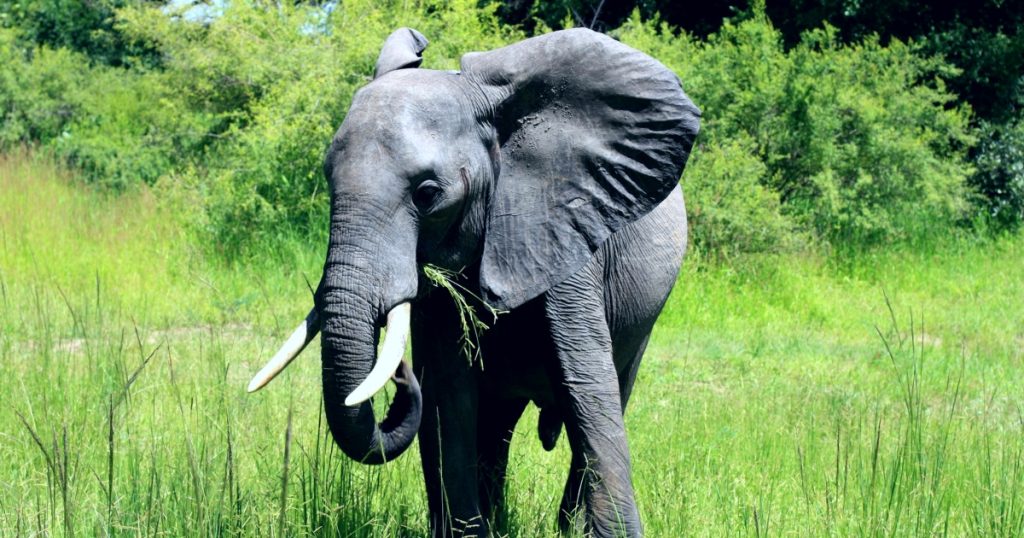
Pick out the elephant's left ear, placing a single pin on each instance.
(402, 49)
(593, 135)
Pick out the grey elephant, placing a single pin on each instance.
(545, 173)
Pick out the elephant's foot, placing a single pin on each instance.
(587, 508)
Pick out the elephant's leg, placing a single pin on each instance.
(448, 453)
(497, 421)
(587, 389)
(448, 432)
(572, 497)
(642, 263)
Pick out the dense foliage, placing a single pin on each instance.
(820, 142)
(239, 112)
(86, 26)
(842, 142)
(38, 90)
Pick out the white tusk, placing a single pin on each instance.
(397, 333)
(303, 334)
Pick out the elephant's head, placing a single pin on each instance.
(515, 169)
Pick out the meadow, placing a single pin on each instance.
(868, 392)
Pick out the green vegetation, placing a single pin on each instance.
(236, 116)
(89, 28)
(779, 396)
(845, 144)
(999, 176)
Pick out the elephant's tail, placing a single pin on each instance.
(549, 425)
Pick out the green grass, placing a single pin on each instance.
(780, 396)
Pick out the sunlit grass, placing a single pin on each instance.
(779, 396)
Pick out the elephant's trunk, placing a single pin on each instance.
(350, 329)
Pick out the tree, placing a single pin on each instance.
(86, 26)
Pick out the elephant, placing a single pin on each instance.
(546, 175)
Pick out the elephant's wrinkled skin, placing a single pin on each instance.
(546, 172)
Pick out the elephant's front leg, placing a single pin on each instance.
(496, 424)
(448, 431)
(587, 389)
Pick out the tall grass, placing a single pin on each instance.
(873, 395)
(59, 237)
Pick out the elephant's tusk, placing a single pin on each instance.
(395, 337)
(303, 334)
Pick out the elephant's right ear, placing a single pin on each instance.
(402, 49)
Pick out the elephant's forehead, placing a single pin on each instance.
(407, 120)
(408, 105)
(391, 142)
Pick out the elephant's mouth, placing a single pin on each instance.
(396, 335)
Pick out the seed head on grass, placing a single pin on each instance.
(471, 324)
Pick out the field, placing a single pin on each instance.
(870, 393)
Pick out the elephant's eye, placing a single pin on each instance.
(426, 195)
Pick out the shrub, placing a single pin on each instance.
(86, 27)
(119, 126)
(133, 128)
(730, 211)
(855, 142)
(876, 148)
(39, 90)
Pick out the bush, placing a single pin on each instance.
(730, 211)
(999, 175)
(991, 59)
(855, 142)
(120, 127)
(86, 27)
(39, 90)
(133, 128)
